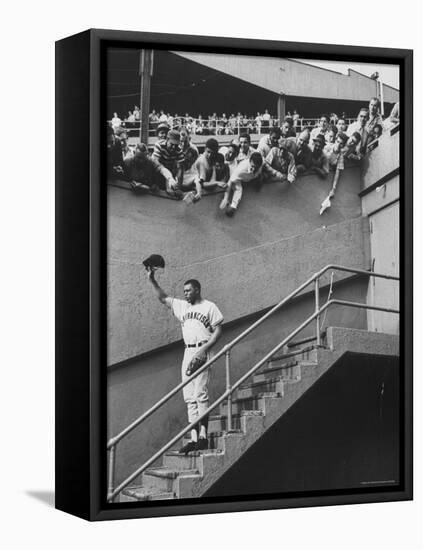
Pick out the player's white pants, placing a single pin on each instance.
(196, 394)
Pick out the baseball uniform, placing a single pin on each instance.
(197, 322)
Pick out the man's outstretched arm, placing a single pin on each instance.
(161, 294)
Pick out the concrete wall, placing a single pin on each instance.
(275, 241)
(382, 160)
(134, 386)
(380, 200)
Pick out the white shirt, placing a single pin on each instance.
(116, 122)
(197, 320)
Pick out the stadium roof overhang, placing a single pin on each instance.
(293, 78)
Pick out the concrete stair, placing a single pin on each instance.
(255, 407)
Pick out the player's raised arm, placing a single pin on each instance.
(161, 294)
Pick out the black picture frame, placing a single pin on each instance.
(81, 291)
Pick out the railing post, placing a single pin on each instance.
(228, 388)
(317, 306)
(111, 484)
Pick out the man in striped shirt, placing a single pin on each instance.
(169, 154)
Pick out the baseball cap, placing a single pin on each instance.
(162, 126)
(154, 260)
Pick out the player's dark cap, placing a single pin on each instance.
(155, 260)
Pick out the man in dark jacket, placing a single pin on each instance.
(142, 171)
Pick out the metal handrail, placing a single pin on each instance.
(111, 445)
(229, 391)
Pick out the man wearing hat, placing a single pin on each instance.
(162, 131)
(169, 154)
(319, 160)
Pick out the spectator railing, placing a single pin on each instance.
(221, 126)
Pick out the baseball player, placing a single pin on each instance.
(201, 323)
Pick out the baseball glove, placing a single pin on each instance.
(195, 364)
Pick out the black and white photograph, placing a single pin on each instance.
(253, 276)
(211, 301)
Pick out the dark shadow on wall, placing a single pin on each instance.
(343, 433)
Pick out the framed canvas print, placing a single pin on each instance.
(234, 274)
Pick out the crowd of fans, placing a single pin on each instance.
(177, 167)
(211, 125)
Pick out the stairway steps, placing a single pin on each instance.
(287, 370)
(272, 387)
(219, 423)
(254, 403)
(289, 375)
(192, 461)
(306, 350)
(140, 493)
(255, 410)
(164, 479)
(259, 387)
(217, 439)
(306, 340)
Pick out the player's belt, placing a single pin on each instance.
(197, 345)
